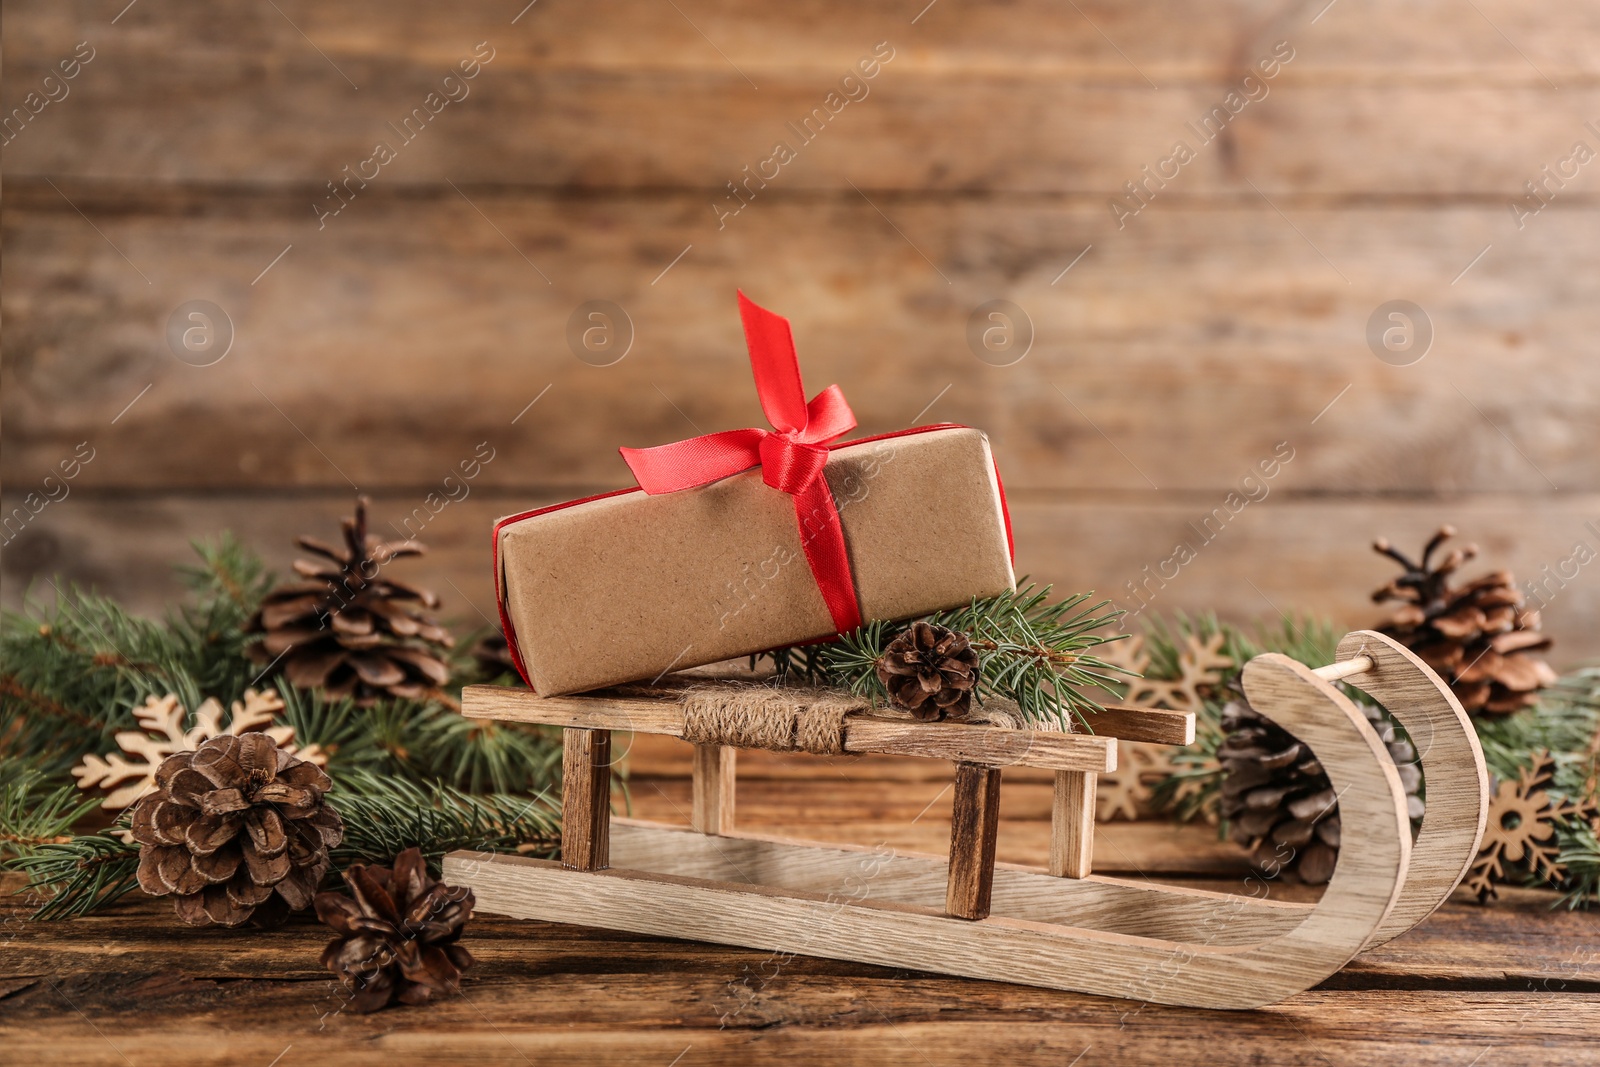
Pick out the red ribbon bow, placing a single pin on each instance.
(791, 455)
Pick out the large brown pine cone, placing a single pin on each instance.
(348, 628)
(236, 830)
(930, 671)
(1278, 800)
(1481, 638)
(397, 933)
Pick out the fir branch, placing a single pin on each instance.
(421, 742)
(229, 574)
(482, 755)
(1030, 651)
(1580, 855)
(11, 686)
(1566, 721)
(77, 876)
(384, 816)
(76, 668)
(34, 811)
(381, 817)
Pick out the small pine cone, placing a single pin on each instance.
(236, 830)
(347, 628)
(397, 933)
(1481, 637)
(930, 671)
(1278, 800)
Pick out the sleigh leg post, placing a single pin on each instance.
(974, 824)
(585, 799)
(715, 774)
(1072, 824)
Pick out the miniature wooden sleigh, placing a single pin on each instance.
(1064, 928)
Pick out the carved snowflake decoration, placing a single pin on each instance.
(1521, 828)
(163, 734)
(1127, 792)
(1128, 653)
(1201, 665)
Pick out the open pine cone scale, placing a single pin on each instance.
(350, 629)
(397, 933)
(230, 825)
(1480, 637)
(930, 671)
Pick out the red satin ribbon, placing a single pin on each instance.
(791, 455)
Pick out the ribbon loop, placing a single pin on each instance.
(791, 459)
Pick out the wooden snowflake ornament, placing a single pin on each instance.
(1201, 667)
(1521, 828)
(163, 735)
(1127, 792)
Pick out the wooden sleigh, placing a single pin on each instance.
(1061, 928)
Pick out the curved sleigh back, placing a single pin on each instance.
(1453, 773)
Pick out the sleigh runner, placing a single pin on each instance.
(1062, 927)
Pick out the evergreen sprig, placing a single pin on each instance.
(33, 810)
(80, 874)
(1566, 723)
(75, 669)
(384, 816)
(1031, 650)
(74, 877)
(405, 771)
(422, 741)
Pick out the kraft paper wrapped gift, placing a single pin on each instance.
(748, 540)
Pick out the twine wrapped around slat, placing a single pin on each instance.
(779, 720)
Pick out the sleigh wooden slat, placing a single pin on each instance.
(866, 733)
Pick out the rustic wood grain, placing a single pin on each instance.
(1513, 977)
(974, 823)
(1446, 743)
(440, 334)
(628, 95)
(586, 799)
(563, 994)
(198, 139)
(973, 744)
(1157, 725)
(897, 876)
(863, 733)
(715, 782)
(1072, 824)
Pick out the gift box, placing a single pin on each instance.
(747, 540)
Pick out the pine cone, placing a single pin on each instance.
(1279, 801)
(236, 830)
(350, 630)
(1480, 637)
(397, 937)
(930, 671)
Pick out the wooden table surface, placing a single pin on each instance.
(1515, 983)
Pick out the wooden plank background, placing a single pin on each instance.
(379, 350)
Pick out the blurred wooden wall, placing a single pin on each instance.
(376, 349)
